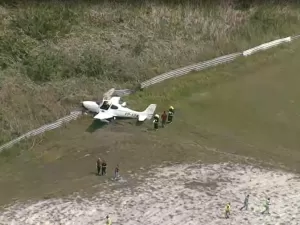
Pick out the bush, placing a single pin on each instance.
(97, 64)
(45, 21)
(14, 49)
(44, 66)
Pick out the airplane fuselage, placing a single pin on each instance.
(112, 108)
(115, 109)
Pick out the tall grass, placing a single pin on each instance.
(52, 55)
(44, 21)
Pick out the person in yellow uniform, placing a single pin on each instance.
(108, 220)
(156, 121)
(227, 210)
(267, 206)
(170, 114)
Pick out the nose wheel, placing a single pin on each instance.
(84, 111)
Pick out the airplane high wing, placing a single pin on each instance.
(103, 116)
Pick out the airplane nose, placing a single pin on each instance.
(87, 105)
(91, 106)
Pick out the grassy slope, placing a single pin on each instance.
(249, 108)
(54, 55)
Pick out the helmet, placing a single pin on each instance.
(156, 115)
(171, 107)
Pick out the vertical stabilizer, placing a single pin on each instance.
(150, 111)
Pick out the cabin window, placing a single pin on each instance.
(114, 107)
(105, 106)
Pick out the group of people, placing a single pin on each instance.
(245, 206)
(101, 166)
(165, 118)
(168, 118)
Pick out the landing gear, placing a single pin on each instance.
(113, 119)
(83, 112)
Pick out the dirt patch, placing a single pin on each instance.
(160, 200)
(201, 185)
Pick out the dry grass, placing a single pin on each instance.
(53, 56)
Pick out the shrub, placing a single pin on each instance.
(45, 20)
(14, 49)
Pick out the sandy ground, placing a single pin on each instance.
(179, 194)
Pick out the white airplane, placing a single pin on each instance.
(112, 109)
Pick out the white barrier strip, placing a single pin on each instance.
(266, 46)
(188, 69)
(214, 62)
(175, 73)
(73, 115)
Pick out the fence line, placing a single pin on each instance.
(188, 69)
(73, 115)
(168, 75)
(266, 46)
(214, 62)
(58, 123)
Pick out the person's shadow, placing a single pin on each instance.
(94, 173)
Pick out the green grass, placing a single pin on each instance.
(248, 108)
(55, 54)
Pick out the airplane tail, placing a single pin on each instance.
(150, 111)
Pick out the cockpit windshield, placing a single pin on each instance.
(114, 107)
(105, 105)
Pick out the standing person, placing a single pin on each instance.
(246, 201)
(98, 166)
(170, 114)
(156, 121)
(104, 168)
(108, 220)
(117, 172)
(267, 205)
(227, 210)
(163, 119)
